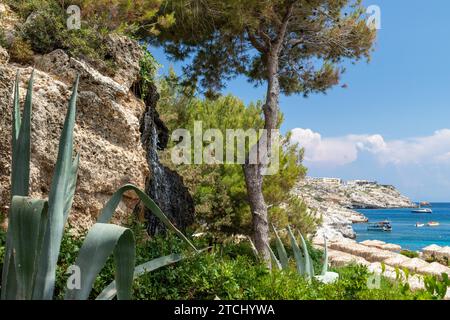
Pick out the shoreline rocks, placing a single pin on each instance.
(391, 265)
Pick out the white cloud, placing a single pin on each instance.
(339, 151)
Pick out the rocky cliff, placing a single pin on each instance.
(112, 133)
(335, 200)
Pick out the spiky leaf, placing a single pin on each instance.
(274, 258)
(299, 259)
(284, 260)
(325, 257)
(110, 291)
(62, 178)
(111, 206)
(101, 241)
(28, 218)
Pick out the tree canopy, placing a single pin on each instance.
(232, 37)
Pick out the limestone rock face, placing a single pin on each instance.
(117, 134)
(4, 56)
(8, 22)
(107, 134)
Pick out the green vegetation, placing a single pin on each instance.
(291, 47)
(36, 227)
(37, 251)
(219, 191)
(410, 254)
(437, 287)
(46, 29)
(303, 259)
(228, 271)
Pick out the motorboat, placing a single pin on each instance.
(433, 224)
(422, 210)
(420, 225)
(384, 226)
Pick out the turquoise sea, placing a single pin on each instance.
(404, 231)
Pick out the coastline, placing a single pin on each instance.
(335, 201)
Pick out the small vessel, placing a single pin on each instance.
(422, 210)
(433, 224)
(384, 226)
(420, 225)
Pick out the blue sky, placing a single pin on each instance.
(392, 122)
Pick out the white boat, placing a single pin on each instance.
(433, 224)
(420, 225)
(424, 210)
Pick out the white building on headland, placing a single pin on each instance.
(361, 182)
(331, 181)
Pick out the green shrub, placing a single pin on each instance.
(20, 51)
(410, 254)
(3, 42)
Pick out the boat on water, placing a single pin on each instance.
(384, 226)
(433, 224)
(420, 225)
(422, 210)
(425, 204)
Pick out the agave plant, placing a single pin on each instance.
(36, 226)
(302, 258)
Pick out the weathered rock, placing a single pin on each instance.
(127, 55)
(8, 22)
(66, 68)
(116, 133)
(107, 138)
(107, 134)
(4, 56)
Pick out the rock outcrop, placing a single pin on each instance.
(109, 135)
(334, 200)
(380, 260)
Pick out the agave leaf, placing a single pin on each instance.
(325, 257)
(70, 188)
(110, 291)
(308, 261)
(57, 204)
(111, 206)
(27, 222)
(274, 258)
(101, 241)
(284, 260)
(21, 145)
(16, 116)
(299, 259)
(254, 250)
(9, 280)
(20, 170)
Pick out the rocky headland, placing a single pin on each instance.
(335, 201)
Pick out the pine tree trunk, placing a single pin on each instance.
(253, 176)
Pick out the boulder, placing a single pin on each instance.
(4, 56)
